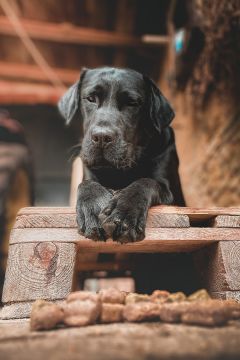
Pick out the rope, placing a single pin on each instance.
(30, 46)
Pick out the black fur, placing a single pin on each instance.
(128, 150)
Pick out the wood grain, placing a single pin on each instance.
(226, 295)
(39, 270)
(45, 220)
(219, 266)
(18, 310)
(193, 213)
(227, 221)
(155, 235)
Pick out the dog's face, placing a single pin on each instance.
(120, 110)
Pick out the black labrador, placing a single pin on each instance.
(128, 151)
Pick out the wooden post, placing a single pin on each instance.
(38, 270)
(219, 264)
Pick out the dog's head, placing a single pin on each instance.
(120, 110)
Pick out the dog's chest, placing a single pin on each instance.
(115, 178)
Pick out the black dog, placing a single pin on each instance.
(128, 150)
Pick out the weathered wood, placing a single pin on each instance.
(226, 295)
(19, 310)
(123, 341)
(227, 221)
(39, 270)
(154, 236)
(219, 266)
(45, 244)
(192, 212)
(69, 34)
(45, 220)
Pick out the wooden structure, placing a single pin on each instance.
(137, 341)
(45, 248)
(67, 37)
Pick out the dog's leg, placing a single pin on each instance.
(91, 200)
(124, 218)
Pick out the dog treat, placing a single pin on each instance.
(112, 296)
(171, 312)
(160, 296)
(83, 308)
(199, 295)
(111, 313)
(177, 297)
(81, 312)
(141, 311)
(45, 315)
(83, 295)
(207, 313)
(133, 298)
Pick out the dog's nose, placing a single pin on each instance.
(103, 137)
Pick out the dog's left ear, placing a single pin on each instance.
(69, 103)
(160, 111)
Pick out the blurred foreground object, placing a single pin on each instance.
(16, 183)
(206, 99)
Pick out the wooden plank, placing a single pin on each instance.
(219, 266)
(158, 216)
(39, 270)
(27, 72)
(192, 212)
(18, 310)
(67, 33)
(227, 221)
(155, 238)
(226, 295)
(43, 220)
(104, 266)
(123, 341)
(28, 93)
(156, 39)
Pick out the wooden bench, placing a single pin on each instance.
(45, 251)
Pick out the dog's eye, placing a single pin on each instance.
(92, 98)
(132, 102)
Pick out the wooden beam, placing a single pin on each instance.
(149, 39)
(19, 71)
(68, 33)
(27, 93)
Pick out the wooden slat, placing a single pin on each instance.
(193, 213)
(68, 33)
(45, 220)
(155, 239)
(226, 295)
(27, 93)
(156, 39)
(18, 71)
(229, 221)
(35, 270)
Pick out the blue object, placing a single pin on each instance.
(179, 40)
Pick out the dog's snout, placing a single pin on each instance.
(103, 137)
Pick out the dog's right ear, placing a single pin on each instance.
(69, 103)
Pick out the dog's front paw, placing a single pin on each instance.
(124, 222)
(92, 198)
